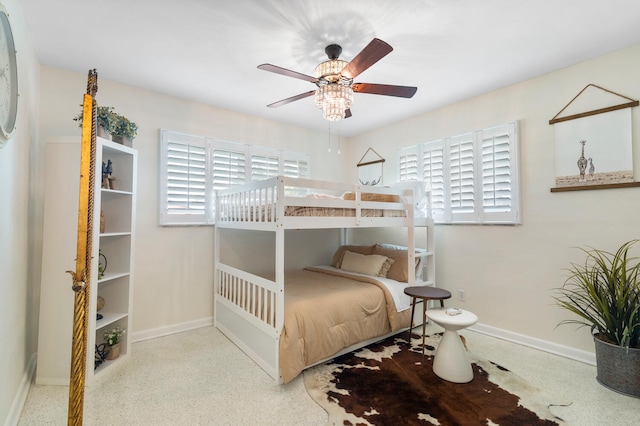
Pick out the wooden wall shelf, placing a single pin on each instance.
(603, 186)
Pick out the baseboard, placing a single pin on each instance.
(499, 333)
(153, 333)
(534, 343)
(23, 391)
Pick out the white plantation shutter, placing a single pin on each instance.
(433, 174)
(473, 177)
(187, 174)
(499, 180)
(184, 194)
(425, 163)
(462, 179)
(408, 164)
(193, 167)
(296, 167)
(228, 167)
(267, 163)
(264, 166)
(496, 185)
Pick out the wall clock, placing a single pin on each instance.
(8, 78)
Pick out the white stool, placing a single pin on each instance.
(451, 361)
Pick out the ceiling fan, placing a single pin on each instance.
(334, 80)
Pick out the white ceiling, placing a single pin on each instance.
(208, 50)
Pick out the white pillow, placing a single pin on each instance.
(363, 264)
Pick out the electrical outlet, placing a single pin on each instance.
(461, 295)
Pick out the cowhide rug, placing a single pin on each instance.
(387, 383)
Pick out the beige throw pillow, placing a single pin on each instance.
(398, 270)
(385, 267)
(363, 264)
(337, 257)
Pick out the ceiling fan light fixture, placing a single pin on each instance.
(334, 94)
(330, 70)
(334, 99)
(334, 80)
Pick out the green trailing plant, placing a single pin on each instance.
(105, 118)
(605, 294)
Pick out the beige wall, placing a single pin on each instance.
(21, 162)
(174, 265)
(507, 271)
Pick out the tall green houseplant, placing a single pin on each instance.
(604, 294)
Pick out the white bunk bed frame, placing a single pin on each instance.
(249, 309)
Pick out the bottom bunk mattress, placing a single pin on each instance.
(328, 310)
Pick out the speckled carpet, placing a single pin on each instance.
(387, 383)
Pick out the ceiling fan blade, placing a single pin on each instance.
(288, 73)
(292, 99)
(385, 89)
(372, 53)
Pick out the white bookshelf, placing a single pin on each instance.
(59, 252)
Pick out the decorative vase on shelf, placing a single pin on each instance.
(102, 222)
(114, 351)
(102, 264)
(99, 306)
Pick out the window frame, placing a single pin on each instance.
(211, 145)
(452, 200)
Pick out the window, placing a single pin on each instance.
(192, 168)
(473, 176)
(433, 172)
(264, 163)
(184, 195)
(227, 165)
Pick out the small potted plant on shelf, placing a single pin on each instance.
(106, 119)
(113, 124)
(112, 339)
(604, 294)
(124, 130)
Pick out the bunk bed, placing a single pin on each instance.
(261, 313)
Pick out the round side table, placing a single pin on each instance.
(425, 293)
(451, 361)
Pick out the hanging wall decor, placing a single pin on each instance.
(593, 147)
(370, 168)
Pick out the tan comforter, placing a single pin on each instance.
(327, 311)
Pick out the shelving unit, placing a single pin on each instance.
(116, 243)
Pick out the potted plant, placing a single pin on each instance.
(124, 130)
(604, 293)
(112, 339)
(106, 119)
